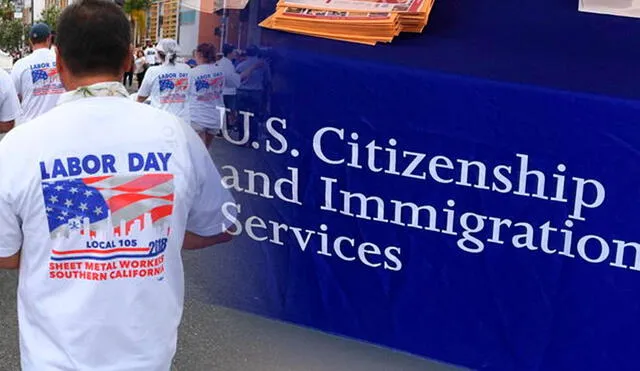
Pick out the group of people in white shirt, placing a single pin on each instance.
(199, 96)
(33, 87)
(196, 95)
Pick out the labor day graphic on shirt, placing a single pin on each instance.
(209, 86)
(45, 79)
(108, 220)
(173, 87)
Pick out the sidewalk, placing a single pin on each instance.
(215, 338)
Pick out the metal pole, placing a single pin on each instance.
(223, 28)
(179, 9)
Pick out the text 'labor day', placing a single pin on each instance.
(104, 164)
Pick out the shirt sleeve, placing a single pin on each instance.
(11, 231)
(147, 83)
(16, 77)
(192, 86)
(206, 217)
(9, 104)
(231, 77)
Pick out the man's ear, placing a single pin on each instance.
(129, 60)
(61, 69)
(59, 65)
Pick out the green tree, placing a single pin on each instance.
(6, 10)
(50, 16)
(11, 35)
(137, 11)
(11, 30)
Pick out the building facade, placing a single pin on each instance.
(58, 3)
(31, 10)
(190, 22)
(162, 20)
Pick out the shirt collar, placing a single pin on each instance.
(102, 89)
(41, 50)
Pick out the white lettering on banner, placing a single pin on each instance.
(473, 231)
(345, 248)
(588, 193)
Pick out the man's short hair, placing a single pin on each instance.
(227, 49)
(253, 51)
(93, 36)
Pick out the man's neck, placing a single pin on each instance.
(40, 46)
(90, 80)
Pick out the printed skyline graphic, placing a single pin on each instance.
(143, 232)
(108, 206)
(46, 81)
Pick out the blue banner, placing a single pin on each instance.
(485, 224)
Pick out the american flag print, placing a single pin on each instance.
(201, 85)
(105, 206)
(43, 74)
(181, 83)
(166, 84)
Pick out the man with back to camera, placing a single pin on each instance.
(250, 94)
(36, 77)
(96, 218)
(232, 81)
(151, 54)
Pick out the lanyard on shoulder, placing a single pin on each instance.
(103, 89)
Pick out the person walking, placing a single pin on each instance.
(232, 78)
(167, 84)
(140, 64)
(96, 216)
(128, 74)
(151, 54)
(206, 103)
(36, 77)
(250, 94)
(232, 82)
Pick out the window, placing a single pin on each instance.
(187, 17)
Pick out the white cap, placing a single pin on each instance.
(168, 47)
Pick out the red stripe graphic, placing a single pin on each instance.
(120, 201)
(72, 252)
(95, 179)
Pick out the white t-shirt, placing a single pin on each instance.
(151, 54)
(139, 65)
(9, 104)
(101, 223)
(37, 82)
(168, 87)
(232, 78)
(206, 84)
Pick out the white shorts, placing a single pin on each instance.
(201, 128)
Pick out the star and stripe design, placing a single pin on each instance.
(114, 200)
